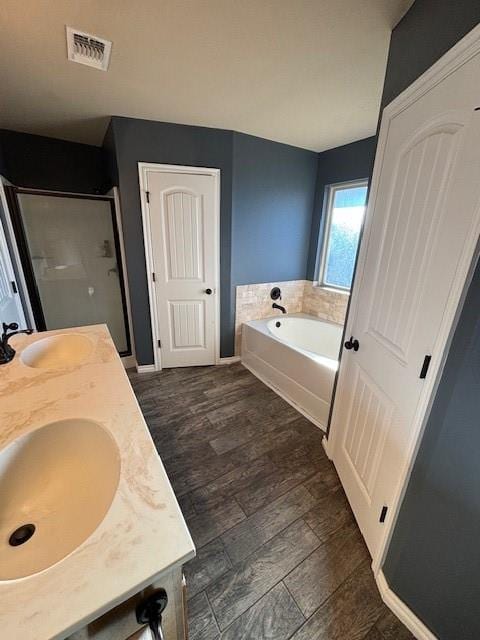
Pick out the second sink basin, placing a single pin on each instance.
(58, 483)
(58, 352)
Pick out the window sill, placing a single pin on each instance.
(330, 289)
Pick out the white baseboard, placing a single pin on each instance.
(150, 368)
(326, 447)
(146, 368)
(283, 396)
(400, 609)
(229, 360)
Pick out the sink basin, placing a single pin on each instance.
(57, 352)
(58, 483)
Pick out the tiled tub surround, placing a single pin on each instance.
(327, 304)
(142, 540)
(253, 302)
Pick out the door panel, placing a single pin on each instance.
(414, 214)
(418, 232)
(187, 324)
(184, 250)
(183, 235)
(368, 419)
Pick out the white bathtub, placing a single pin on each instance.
(297, 356)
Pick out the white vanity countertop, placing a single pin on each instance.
(143, 534)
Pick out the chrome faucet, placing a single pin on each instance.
(6, 351)
(279, 306)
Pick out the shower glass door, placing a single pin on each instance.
(71, 257)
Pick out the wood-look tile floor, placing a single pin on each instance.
(279, 555)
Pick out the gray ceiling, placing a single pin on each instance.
(307, 72)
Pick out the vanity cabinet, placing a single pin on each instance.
(78, 419)
(120, 623)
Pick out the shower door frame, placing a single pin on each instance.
(12, 193)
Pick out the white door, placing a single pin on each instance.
(422, 227)
(10, 304)
(183, 213)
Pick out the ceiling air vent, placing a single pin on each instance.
(87, 49)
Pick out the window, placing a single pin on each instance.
(343, 222)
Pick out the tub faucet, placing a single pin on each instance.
(6, 351)
(279, 306)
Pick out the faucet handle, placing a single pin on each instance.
(275, 293)
(12, 326)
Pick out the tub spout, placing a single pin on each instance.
(279, 306)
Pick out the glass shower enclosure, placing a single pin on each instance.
(70, 252)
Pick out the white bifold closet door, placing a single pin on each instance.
(421, 231)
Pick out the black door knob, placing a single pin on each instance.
(352, 344)
(208, 292)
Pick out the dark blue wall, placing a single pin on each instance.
(135, 141)
(267, 192)
(428, 30)
(47, 163)
(267, 198)
(2, 160)
(433, 559)
(110, 155)
(273, 194)
(351, 162)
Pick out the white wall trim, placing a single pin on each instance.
(146, 368)
(229, 360)
(400, 609)
(326, 447)
(454, 58)
(143, 168)
(459, 54)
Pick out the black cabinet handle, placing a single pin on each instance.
(352, 344)
(208, 292)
